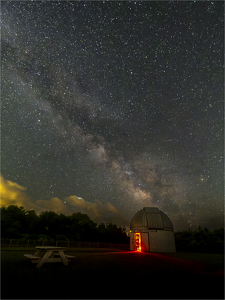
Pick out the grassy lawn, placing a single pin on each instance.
(210, 262)
(110, 273)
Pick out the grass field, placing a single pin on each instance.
(110, 273)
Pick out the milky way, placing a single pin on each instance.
(108, 107)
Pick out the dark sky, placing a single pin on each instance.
(108, 107)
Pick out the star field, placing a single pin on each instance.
(117, 102)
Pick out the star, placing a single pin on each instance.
(117, 102)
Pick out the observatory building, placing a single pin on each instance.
(151, 231)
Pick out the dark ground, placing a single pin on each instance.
(105, 274)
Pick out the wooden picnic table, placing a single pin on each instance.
(53, 254)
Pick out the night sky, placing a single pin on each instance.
(108, 107)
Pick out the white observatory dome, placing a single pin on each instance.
(151, 218)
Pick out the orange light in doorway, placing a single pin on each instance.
(138, 241)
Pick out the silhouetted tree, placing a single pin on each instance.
(31, 222)
(13, 221)
(82, 227)
(19, 223)
(48, 223)
(200, 240)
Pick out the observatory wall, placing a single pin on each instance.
(161, 241)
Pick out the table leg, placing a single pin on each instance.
(64, 259)
(44, 258)
(37, 252)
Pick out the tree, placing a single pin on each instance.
(111, 233)
(18, 223)
(31, 222)
(49, 223)
(13, 221)
(82, 227)
(200, 240)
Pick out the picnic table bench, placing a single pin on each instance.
(33, 258)
(53, 254)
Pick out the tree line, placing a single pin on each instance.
(200, 240)
(18, 223)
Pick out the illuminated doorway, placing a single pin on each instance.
(138, 241)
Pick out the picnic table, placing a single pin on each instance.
(53, 254)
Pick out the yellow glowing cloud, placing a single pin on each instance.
(55, 204)
(95, 209)
(112, 208)
(12, 193)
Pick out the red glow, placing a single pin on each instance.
(138, 241)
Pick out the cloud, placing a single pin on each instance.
(97, 211)
(55, 204)
(112, 208)
(12, 193)
(94, 210)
